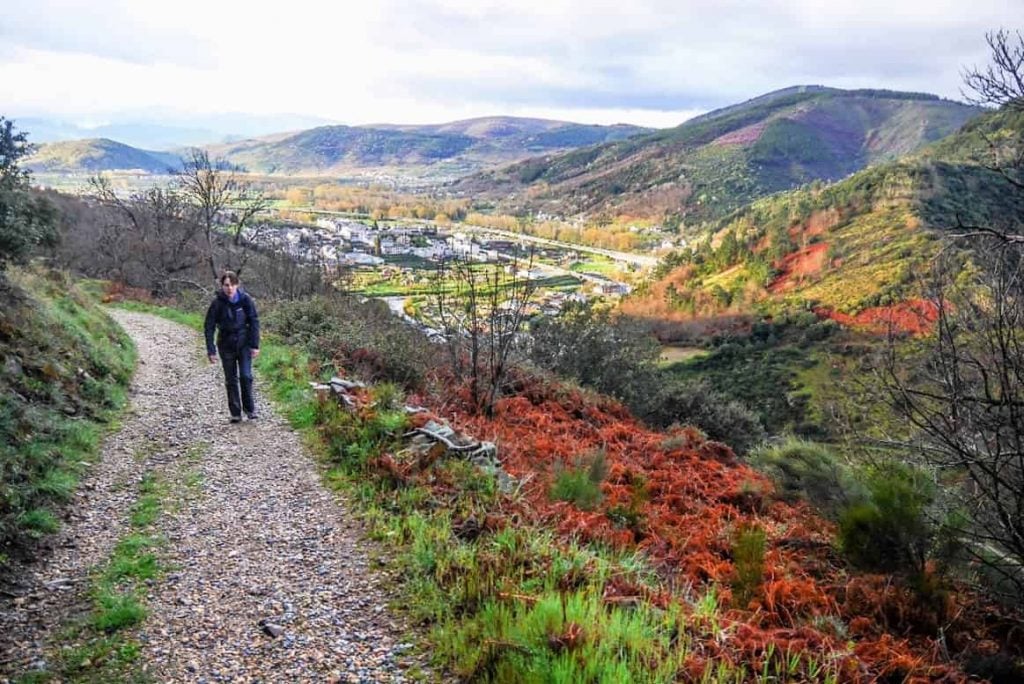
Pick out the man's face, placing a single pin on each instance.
(229, 288)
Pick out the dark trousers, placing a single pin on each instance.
(238, 367)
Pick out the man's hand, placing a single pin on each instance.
(255, 353)
(213, 358)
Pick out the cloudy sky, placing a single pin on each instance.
(650, 62)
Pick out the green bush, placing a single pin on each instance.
(890, 530)
(618, 357)
(748, 560)
(613, 355)
(26, 219)
(362, 335)
(581, 484)
(807, 470)
(696, 403)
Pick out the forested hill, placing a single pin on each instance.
(851, 249)
(99, 154)
(714, 164)
(453, 148)
(450, 149)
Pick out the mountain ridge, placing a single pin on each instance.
(715, 163)
(843, 249)
(99, 154)
(455, 147)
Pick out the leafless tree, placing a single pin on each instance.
(225, 204)
(1000, 83)
(151, 238)
(481, 309)
(965, 397)
(966, 403)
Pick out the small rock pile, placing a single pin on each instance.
(426, 444)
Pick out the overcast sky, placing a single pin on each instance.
(650, 62)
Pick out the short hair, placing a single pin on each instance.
(229, 275)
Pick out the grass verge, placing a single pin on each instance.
(99, 647)
(66, 366)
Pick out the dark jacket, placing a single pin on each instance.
(237, 323)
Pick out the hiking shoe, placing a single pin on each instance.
(252, 416)
(236, 419)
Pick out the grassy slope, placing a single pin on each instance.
(65, 368)
(507, 597)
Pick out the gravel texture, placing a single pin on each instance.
(268, 579)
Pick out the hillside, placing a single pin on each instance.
(65, 366)
(765, 280)
(453, 148)
(98, 154)
(845, 247)
(714, 164)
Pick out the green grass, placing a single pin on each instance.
(580, 484)
(147, 508)
(63, 386)
(38, 522)
(515, 604)
(99, 648)
(115, 611)
(190, 318)
(596, 264)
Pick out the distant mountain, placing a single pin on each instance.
(453, 148)
(163, 131)
(98, 154)
(715, 163)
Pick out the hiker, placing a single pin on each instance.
(233, 313)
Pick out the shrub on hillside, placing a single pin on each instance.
(27, 219)
(618, 357)
(580, 484)
(807, 470)
(362, 335)
(890, 530)
(748, 551)
(697, 404)
(613, 355)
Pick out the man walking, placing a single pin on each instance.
(233, 313)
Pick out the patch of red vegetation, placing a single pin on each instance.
(741, 136)
(914, 316)
(679, 498)
(799, 264)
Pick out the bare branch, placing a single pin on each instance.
(1000, 83)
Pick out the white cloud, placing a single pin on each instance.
(647, 61)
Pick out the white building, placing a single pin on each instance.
(361, 259)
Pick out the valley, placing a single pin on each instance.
(736, 400)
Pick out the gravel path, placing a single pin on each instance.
(269, 581)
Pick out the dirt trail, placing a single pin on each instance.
(252, 539)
